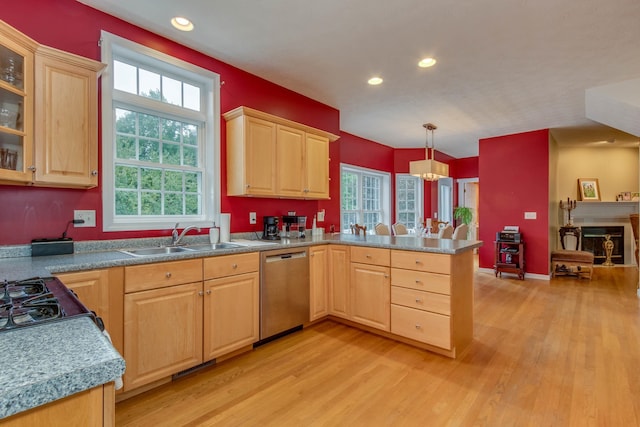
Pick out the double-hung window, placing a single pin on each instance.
(365, 197)
(160, 139)
(409, 196)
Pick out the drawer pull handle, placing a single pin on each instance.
(368, 256)
(417, 261)
(418, 326)
(234, 265)
(167, 275)
(417, 281)
(418, 300)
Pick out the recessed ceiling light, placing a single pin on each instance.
(182, 24)
(373, 81)
(427, 62)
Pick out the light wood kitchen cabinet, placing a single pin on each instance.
(163, 332)
(90, 408)
(339, 278)
(163, 306)
(426, 306)
(231, 303)
(370, 287)
(16, 105)
(318, 281)
(66, 126)
(48, 114)
(268, 156)
(251, 157)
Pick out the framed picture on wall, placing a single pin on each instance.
(589, 189)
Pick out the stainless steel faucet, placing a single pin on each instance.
(177, 238)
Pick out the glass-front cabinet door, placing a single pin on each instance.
(16, 105)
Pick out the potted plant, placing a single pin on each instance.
(463, 214)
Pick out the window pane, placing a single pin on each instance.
(171, 130)
(172, 181)
(173, 204)
(189, 134)
(171, 91)
(151, 203)
(149, 151)
(191, 181)
(191, 96)
(125, 121)
(126, 203)
(192, 203)
(151, 179)
(170, 154)
(190, 156)
(149, 84)
(149, 125)
(126, 177)
(125, 147)
(124, 77)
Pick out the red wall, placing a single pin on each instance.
(514, 177)
(41, 212)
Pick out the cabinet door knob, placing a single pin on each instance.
(32, 168)
(208, 291)
(234, 266)
(200, 293)
(94, 173)
(167, 274)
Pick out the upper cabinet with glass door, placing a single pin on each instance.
(16, 105)
(48, 114)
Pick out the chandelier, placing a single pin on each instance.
(429, 169)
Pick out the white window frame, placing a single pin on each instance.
(385, 203)
(209, 83)
(419, 196)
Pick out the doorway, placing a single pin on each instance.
(468, 196)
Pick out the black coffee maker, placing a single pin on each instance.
(270, 231)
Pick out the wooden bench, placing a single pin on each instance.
(577, 263)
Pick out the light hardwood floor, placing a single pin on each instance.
(559, 353)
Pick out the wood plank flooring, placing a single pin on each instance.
(558, 353)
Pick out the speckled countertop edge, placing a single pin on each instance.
(52, 361)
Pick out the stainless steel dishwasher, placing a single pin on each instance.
(284, 292)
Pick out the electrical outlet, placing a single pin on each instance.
(252, 218)
(321, 216)
(530, 215)
(89, 218)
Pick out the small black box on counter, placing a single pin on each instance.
(42, 247)
(508, 236)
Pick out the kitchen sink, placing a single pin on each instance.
(167, 250)
(164, 250)
(212, 246)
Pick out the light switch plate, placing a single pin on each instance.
(89, 217)
(530, 215)
(252, 218)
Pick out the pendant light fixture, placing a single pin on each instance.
(429, 169)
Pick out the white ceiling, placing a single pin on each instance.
(504, 66)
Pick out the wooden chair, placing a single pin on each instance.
(461, 232)
(399, 229)
(355, 229)
(382, 229)
(445, 232)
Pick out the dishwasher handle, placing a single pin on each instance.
(285, 257)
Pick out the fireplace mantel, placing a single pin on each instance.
(607, 214)
(589, 212)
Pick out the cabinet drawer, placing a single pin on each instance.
(428, 301)
(160, 275)
(435, 263)
(230, 265)
(422, 281)
(423, 326)
(375, 256)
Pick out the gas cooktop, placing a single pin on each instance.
(38, 300)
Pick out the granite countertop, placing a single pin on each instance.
(105, 254)
(50, 361)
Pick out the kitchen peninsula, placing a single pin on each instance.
(415, 290)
